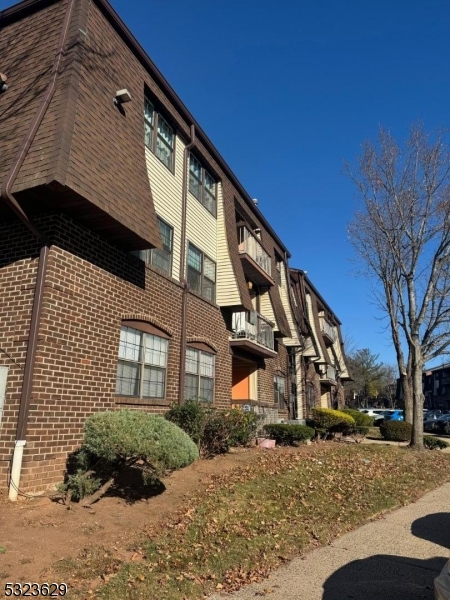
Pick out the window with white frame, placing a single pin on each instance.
(162, 259)
(201, 273)
(279, 391)
(199, 376)
(142, 365)
(159, 136)
(202, 185)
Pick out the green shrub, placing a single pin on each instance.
(191, 417)
(361, 419)
(289, 434)
(212, 430)
(244, 425)
(433, 443)
(127, 436)
(116, 440)
(332, 420)
(396, 431)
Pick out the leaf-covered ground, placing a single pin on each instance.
(251, 520)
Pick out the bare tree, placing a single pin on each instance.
(402, 235)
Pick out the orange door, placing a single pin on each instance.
(241, 383)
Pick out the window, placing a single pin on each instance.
(278, 391)
(278, 271)
(199, 377)
(142, 366)
(162, 259)
(202, 185)
(201, 273)
(159, 136)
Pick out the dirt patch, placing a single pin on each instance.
(38, 533)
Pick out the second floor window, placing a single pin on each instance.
(162, 259)
(159, 136)
(202, 185)
(201, 273)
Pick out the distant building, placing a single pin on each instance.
(436, 387)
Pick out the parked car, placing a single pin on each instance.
(394, 415)
(434, 414)
(436, 425)
(372, 412)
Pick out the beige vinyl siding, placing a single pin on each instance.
(321, 357)
(299, 382)
(267, 309)
(227, 290)
(201, 227)
(338, 350)
(284, 293)
(325, 400)
(167, 191)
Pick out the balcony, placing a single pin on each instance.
(256, 263)
(253, 333)
(329, 375)
(328, 332)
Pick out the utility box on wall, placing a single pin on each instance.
(3, 379)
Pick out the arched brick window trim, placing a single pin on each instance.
(147, 324)
(202, 344)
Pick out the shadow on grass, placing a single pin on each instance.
(386, 577)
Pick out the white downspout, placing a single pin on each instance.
(16, 469)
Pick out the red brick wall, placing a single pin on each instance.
(18, 252)
(78, 341)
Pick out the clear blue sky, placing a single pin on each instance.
(286, 91)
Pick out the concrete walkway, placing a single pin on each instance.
(393, 558)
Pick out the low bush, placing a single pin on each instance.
(289, 434)
(361, 419)
(114, 441)
(332, 420)
(244, 425)
(396, 431)
(433, 443)
(214, 431)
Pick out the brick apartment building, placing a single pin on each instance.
(135, 269)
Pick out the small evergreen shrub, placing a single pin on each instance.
(361, 419)
(114, 441)
(332, 420)
(396, 431)
(433, 443)
(214, 431)
(127, 435)
(191, 417)
(289, 434)
(244, 425)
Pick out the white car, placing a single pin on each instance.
(442, 584)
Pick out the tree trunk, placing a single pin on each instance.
(407, 392)
(417, 372)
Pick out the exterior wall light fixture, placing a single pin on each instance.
(121, 97)
(3, 86)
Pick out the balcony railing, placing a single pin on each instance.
(327, 330)
(254, 327)
(329, 374)
(249, 244)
